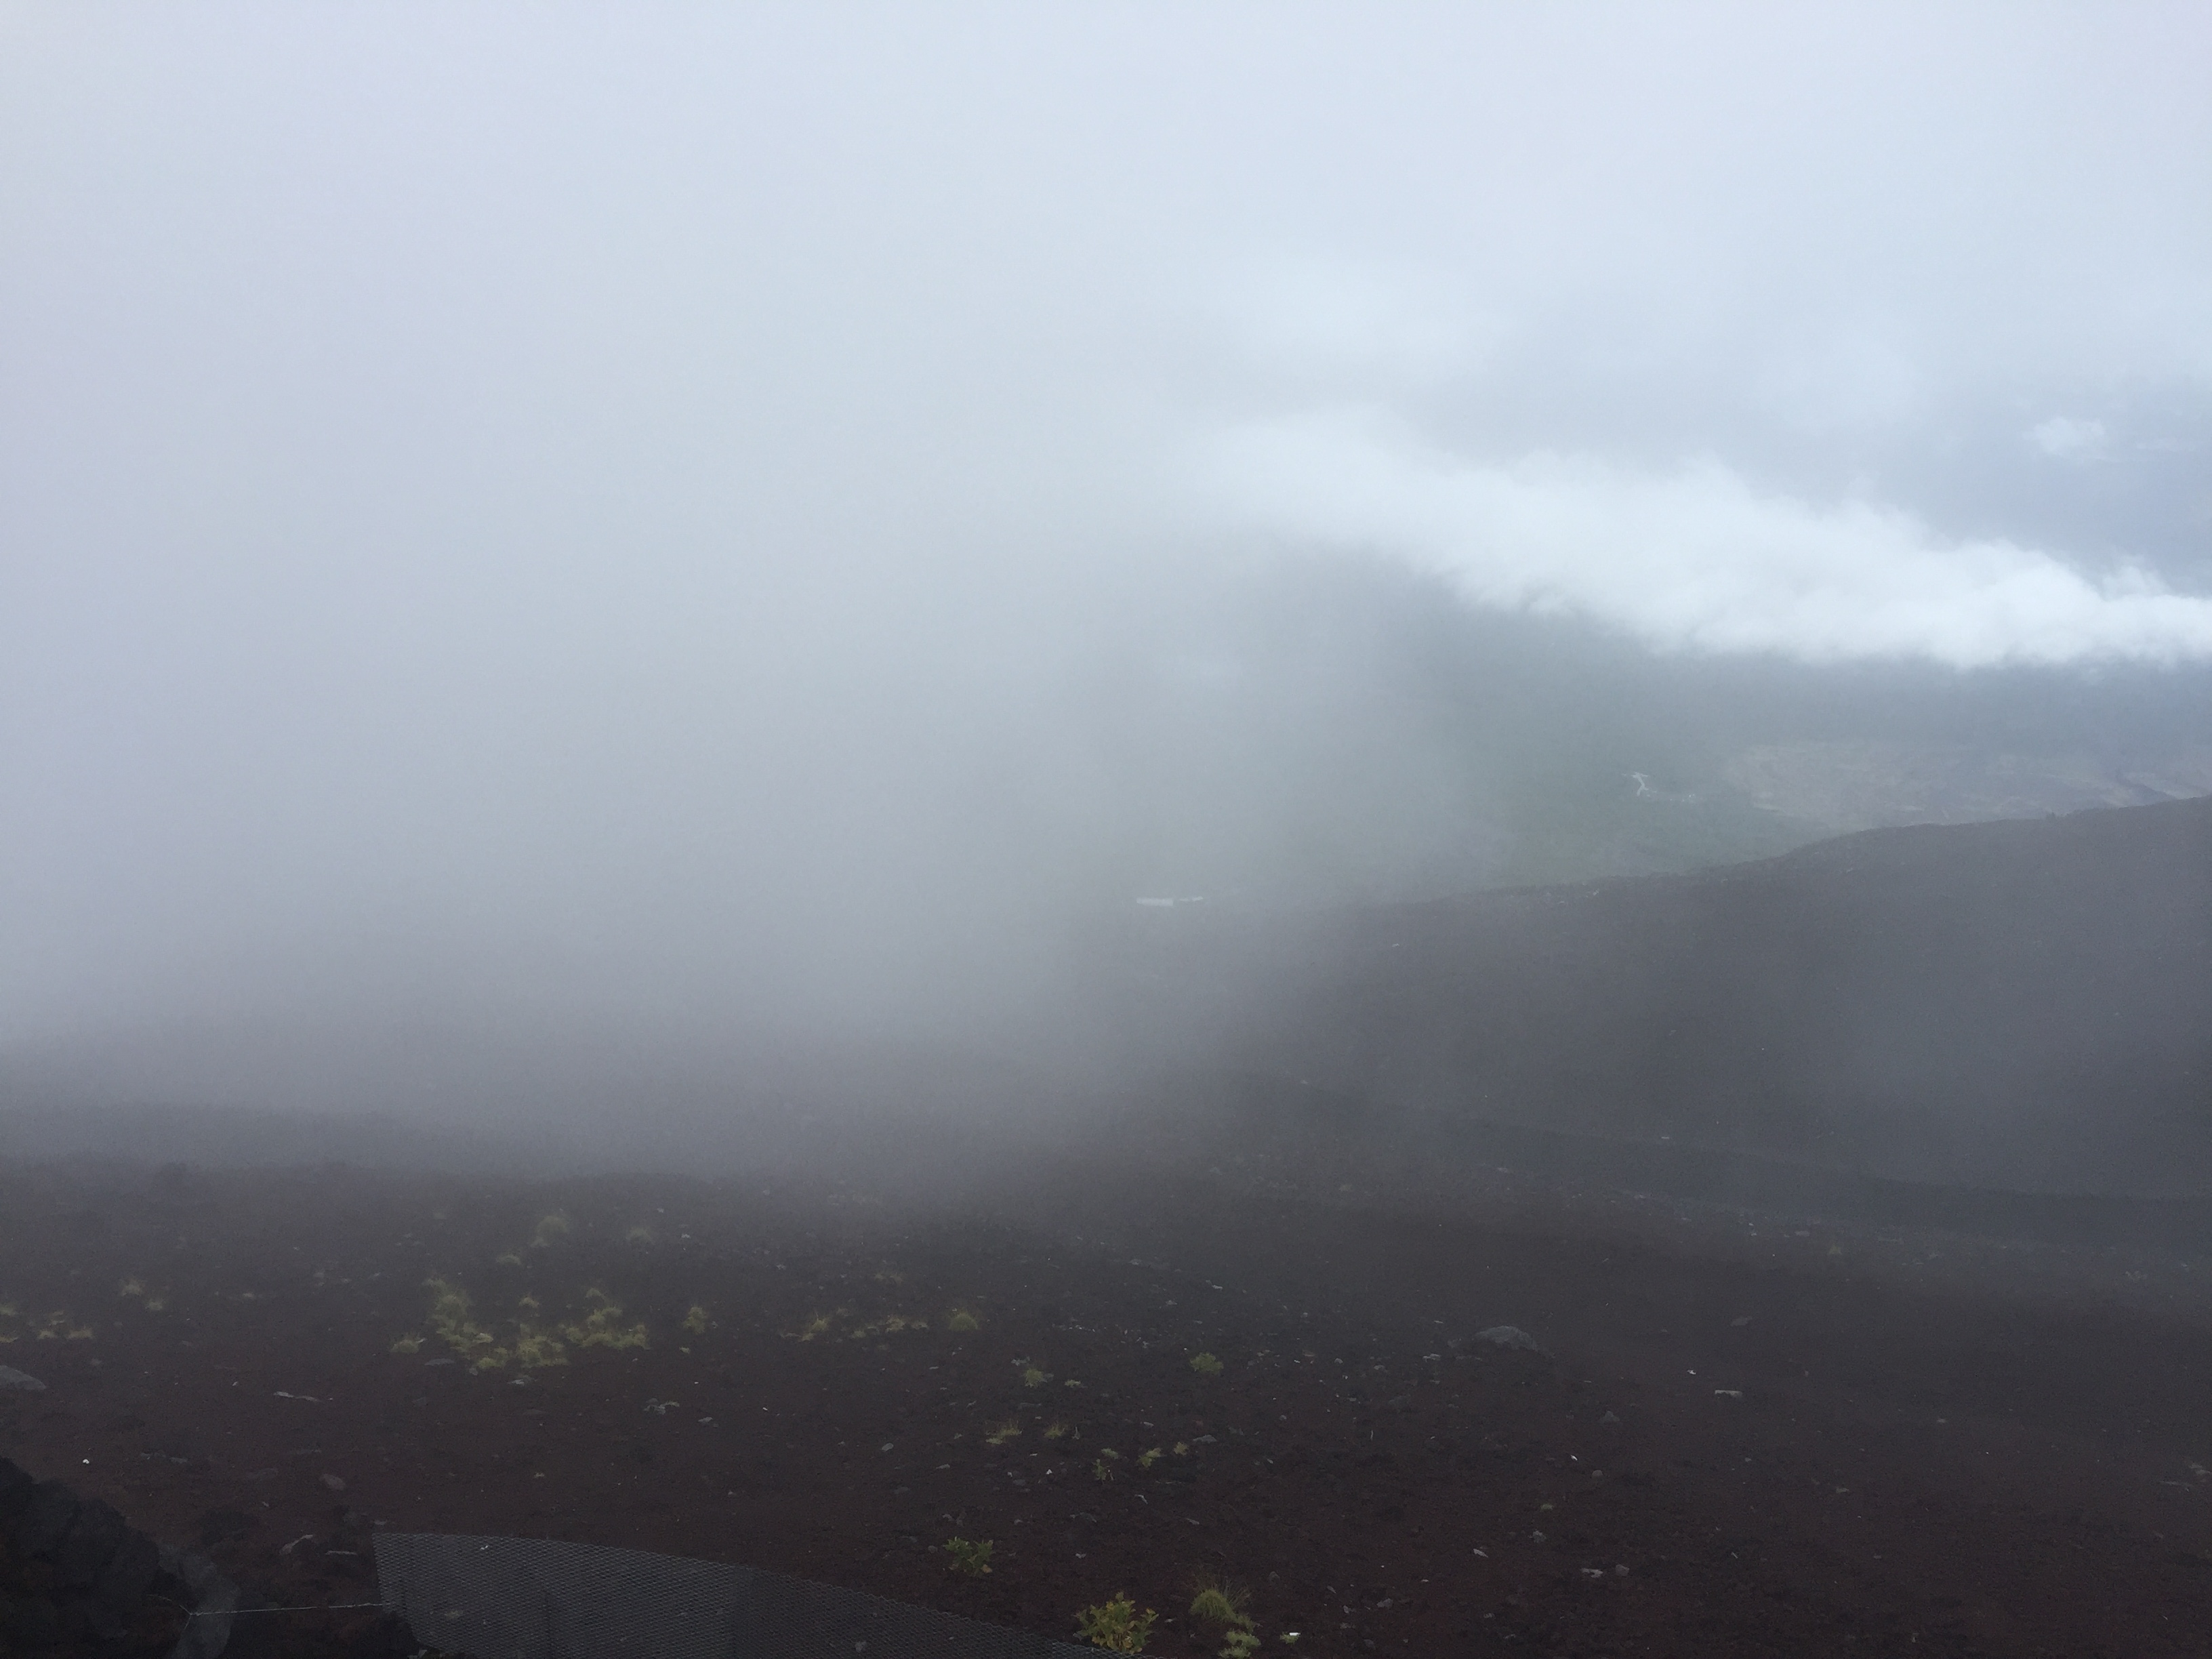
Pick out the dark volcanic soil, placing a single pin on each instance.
(1744, 1437)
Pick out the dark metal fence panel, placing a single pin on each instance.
(533, 1598)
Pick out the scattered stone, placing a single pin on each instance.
(1510, 1336)
(12, 1378)
(1611, 1418)
(334, 1482)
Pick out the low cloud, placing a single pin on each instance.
(1695, 558)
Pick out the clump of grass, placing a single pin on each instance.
(506, 1258)
(640, 1234)
(1183, 1448)
(971, 1557)
(1057, 1430)
(452, 1315)
(537, 1349)
(695, 1320)
(60, 1326)
(131, 1287)
(816, 1325)
(601, 1328)
(1116, 1625)
(962, 1320)
(1219, 1602)
(1205, 1365)
(1222, 1605)
(1146, 1459)
(550, 1228)
(1009, 1430)
(889, 1325)
(411, 1343)
(1034, 1378)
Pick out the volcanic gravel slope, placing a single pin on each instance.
(2023, 1005)
(1740, 1438)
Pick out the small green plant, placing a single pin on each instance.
(1205, 1365)
(1221, 1604)
(962, 1320)
(1116, 1625)
(1057, 1430)
(889, 1325)
(1002, 1432)
(1034, 1378)
(549, 1228)
(537, 1349)
(971, 1557)
(1146, 1459)
(600, 1328)
(452, 1317)
(1101, 1470)
(695, 1320)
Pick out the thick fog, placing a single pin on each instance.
(714, 527)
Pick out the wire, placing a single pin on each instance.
(239, 1613)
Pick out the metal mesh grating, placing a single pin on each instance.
(533, 1598)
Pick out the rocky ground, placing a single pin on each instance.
(1735, 1435)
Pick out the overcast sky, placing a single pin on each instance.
(660, 507)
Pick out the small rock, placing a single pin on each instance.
(1609, 1417)
(1510, 1336)
(334, 1483)
(12, 1378)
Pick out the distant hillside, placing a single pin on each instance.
(2023, 1004)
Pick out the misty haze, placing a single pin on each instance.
(1202, 829)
